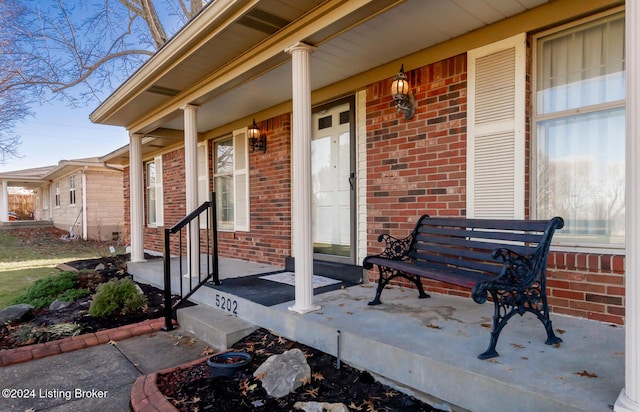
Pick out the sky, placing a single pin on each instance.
(57, 132)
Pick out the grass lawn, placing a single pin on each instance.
(27, 255)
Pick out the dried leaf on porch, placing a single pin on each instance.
(560, 331)
(586, 374)
(208, 350)
(486, 325)
(518, 346)
(432, 326)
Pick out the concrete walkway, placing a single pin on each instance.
(94, 378)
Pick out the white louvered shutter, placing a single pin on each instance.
(241, 180)
(203, 178)
(159, 192)
(496, 130)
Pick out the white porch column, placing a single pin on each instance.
(191, 181)
(4, 202)
(629, 399)
(85, 228)
(301, 152)
(136, 198)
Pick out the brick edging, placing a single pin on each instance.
(145, 395)
(41, 350)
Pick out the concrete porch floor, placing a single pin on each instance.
(429, 346)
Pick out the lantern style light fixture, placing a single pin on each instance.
(402, 95)
(257, 140)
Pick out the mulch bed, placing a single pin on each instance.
(78, 311)
(192, 389)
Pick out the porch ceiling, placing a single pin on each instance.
(236, 66)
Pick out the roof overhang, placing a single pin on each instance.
(230, 60)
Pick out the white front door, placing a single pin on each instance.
(332, 183)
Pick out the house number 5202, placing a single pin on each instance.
(226, 304)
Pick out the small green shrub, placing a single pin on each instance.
(117, 296)
(46, 290)
(71, 295)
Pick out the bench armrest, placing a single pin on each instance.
(395, 249)
(518, 273)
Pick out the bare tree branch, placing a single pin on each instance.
(77, 51)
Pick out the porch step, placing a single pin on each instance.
(213, 326)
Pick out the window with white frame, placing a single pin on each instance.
(223, 182)
(579, 126)
(154, 189)
(72, 190)
(57, 200)
(231, 181)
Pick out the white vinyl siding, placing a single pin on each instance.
(496, 130)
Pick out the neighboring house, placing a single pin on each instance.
(82, 196)
(519, 113)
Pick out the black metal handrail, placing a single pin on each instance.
(191, 222)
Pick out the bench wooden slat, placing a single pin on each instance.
(462, 278)
(526, 225)
(503, 236)
(432, 242)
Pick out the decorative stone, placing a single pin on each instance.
(58, 304)
(15, 312)
(321, 407)
(99, 267)
(283, 374)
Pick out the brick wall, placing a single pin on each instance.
(418, 166)
(269, 240)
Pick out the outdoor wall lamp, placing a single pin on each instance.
(402, 95)
(257, 140)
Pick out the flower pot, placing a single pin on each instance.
(226, 364)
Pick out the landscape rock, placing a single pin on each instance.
(99, 267)
(58, 304)
(283, 374)
(321, 407)
(15, 312)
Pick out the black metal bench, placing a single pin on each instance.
(506, 259)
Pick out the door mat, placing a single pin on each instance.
(269, 292)
(289, 278)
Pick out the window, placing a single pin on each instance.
(579, 126)
(223, 182)
(231, 181)
(155, 195)
(72, 190)
(57, 201)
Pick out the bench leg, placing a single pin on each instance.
(501, 317)
(543, 315)
(386, 275)
(499, 322)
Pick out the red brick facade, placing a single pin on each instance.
(269, 240)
